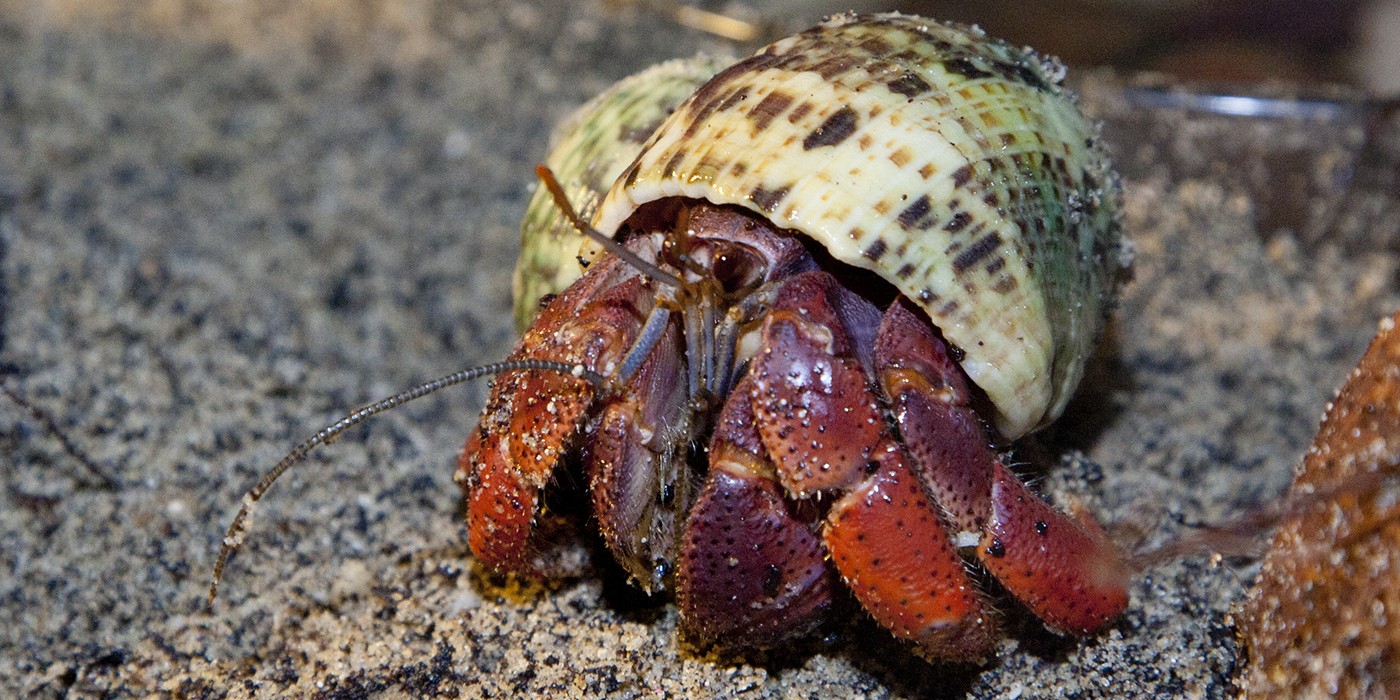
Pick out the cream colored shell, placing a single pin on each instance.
(589, 151)
(952, 164)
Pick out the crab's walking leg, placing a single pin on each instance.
(752, 570)
(1065, 571)
(804, 425)
(818, 416)
(894, 551)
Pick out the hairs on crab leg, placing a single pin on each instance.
(243, 521)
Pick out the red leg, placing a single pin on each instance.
(896, 557)
(1069, 575)
(817, 415)
(929, 396)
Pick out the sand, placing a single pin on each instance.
(224, 224)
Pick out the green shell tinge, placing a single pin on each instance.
(589, 150)
(954, 165)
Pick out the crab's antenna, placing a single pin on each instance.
(561, 200)
(243, 521)
(64, 441)
(1241, 536)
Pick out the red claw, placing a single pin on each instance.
(533, 416)
(502, 507)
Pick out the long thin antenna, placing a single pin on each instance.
(1241, 535)
(561, 200)
(242, 522)
(69, 447)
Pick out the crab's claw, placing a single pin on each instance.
(533, 417)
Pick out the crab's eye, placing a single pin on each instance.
(737, 268)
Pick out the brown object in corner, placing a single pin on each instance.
(1323, 619)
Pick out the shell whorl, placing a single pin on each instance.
(952, 164)
(588, 152)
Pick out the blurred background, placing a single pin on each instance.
(1342, 42)
(1347, 42)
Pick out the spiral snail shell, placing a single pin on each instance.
(954, 165)
(802, 265)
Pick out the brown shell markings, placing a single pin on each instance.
(1321, 619)
(953, 165)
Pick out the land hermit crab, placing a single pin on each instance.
(820, 235)
(818, 295)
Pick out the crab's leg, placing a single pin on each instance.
(752, 570)
(1065, 571)
(532, 417)
(894, 552)
(636, 461)
(818, 416)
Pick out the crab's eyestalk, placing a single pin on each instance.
(243, 521)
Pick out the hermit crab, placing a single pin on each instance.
(779, 317)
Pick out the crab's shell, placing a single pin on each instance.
(589, 150)
(953, 165)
